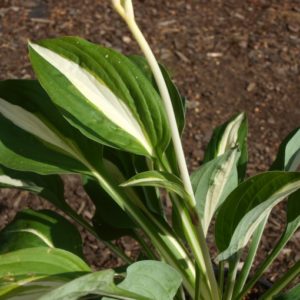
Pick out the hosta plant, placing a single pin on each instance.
(117, 121)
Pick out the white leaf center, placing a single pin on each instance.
(97, 93)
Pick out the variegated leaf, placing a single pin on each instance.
(102, 93)
(158, 179)
(288, 156)
(230, 134)
(45, 228)
(248, 205)
(213, 182)
(35, 137)
(41, 267)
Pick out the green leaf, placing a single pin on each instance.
(102, 93)
(288, 156)
(149, 195)
(282, 282)
(158, 179)
(129, 165)
(293, 294)
(178, 101)
(286, 161)
(152, 279)
(293, 223)
(98, 283)
(28, 265)
(33, 289)
(30, 121)
(50, 187)
(230, 134)
(40, 228)
(213, 182)
(248, 205)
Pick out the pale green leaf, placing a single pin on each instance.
(23, 267)
(98, 283)
(152, 279)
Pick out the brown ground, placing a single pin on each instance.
(226, 56)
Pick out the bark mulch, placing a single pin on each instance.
(226, 57)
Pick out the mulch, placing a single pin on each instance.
(225, 56)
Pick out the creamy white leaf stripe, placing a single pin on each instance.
(44, 238)
(254, 217)
(230, 135)
(215, 191)
(142, 180)
(10, 181)
(32, 124)
(97, 93)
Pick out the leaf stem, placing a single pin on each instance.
(221, 276)
(158, 232)
(282, 282)
(113, 248)
(289, 231)
(233, 268)
(128, 16)
(145, 247)
(250, 257)
(125, 9)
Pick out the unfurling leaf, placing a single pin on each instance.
(213, 182)
(227, 136)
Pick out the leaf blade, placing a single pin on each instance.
(248, 205)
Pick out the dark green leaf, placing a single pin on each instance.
(50, 187)
(110, 221)
(177, 100)
(288, 156)
(40, 228)
(29, 121)
(293, 294)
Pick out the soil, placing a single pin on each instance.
(225, 56)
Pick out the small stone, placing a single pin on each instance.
(293, 27)
(251, 87)
(243, 44)
(126, 39)
(271, 120)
